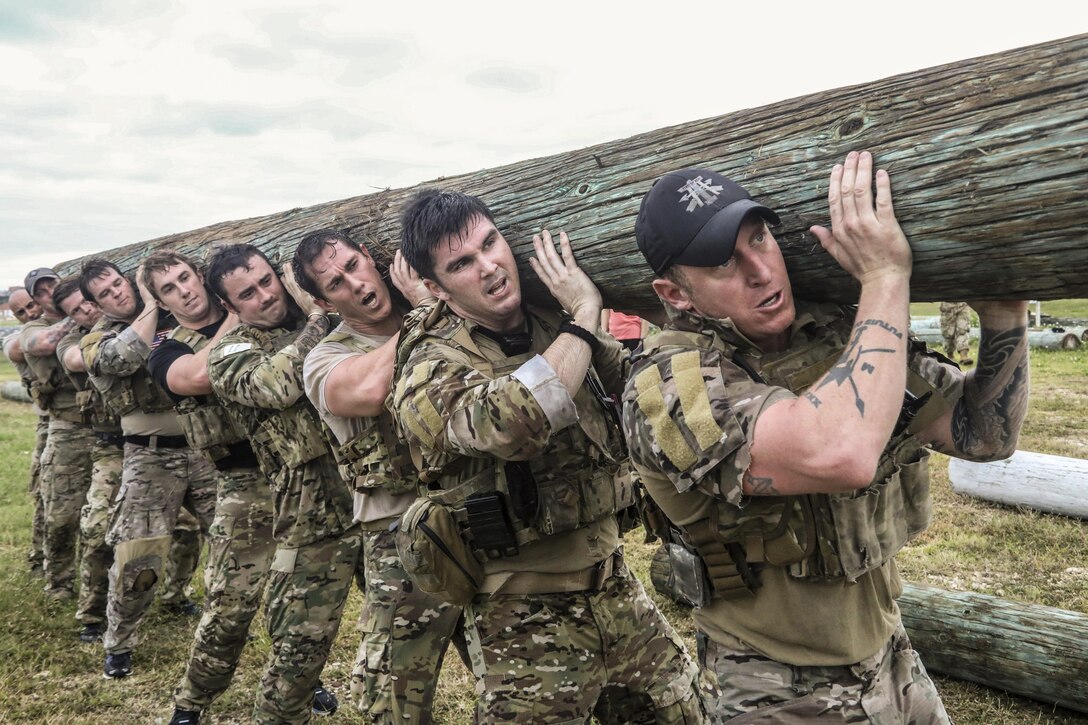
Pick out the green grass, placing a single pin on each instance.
(1065, 309)
(46, 676)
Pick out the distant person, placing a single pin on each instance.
(956, 331)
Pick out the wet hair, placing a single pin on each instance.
(93, 269)
(226, 260)
(431, 216)
(159, 262)
(64, 290)
(310, 248)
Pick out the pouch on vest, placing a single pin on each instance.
(687, 575)
(434, 554)
(294, 436)
(206, 426)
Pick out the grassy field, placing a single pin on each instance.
(47, 676)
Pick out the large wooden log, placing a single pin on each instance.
(1026, 649)
(986, 156)
(1055, 484)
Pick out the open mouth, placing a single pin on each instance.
(770, 301)
(369, 299)
(497, 288)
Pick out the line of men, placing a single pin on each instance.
(783, 446)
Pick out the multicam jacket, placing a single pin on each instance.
(257, 375)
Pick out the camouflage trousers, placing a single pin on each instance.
(549, 658)
(187, 541)
(956, 329)
(240, 549)
(65, 478)
(889, 687)
(405, 633)
(155, 483)
(36, 556)
(306, 593)
(94, 520)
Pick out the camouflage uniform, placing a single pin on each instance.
(65, 463)
(559, 619)
(186, 544)
(771, 576)
(956, 329)
(240, 543)
(160, 474)
(405, 631)
(97, 555)
(257, 375)
(36, 556)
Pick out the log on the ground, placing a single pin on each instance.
(1055, 484)
(1026, 649)
(12, 390)
(986, 157)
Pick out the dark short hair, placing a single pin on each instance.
(94, 269)
(308, 250)
(64, 289)
(431, 216)
(226, 260)
(160, 261)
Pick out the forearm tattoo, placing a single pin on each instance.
(760, 485)
(986, 420)
(850, 363)
(315, 330)
(45, 342)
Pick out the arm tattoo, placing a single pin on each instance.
(986, 420)
(810, 397)
(760, 485)
(843, 371)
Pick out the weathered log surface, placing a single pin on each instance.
(1042, 339)
(1055, 484)
(1027, 649)
(987, 158)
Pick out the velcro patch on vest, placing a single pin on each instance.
(694, 399)
(424, 421)
(666, 434)
(235, 348)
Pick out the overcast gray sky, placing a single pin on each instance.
(127, 120)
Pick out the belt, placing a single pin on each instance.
(534, 582)
(154, 441)
(114, 439)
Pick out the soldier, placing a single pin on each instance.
(348, 376)
(778, 441)
(956, 331)
(106, 454)
(160, 472)
(26, 309)
(256, 372)
(240, 543)
(507, 411)
(66, 460)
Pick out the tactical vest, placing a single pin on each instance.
(575, 481)
(815, 536)
(43, 392)
(203, 419)
(131, 392)
(91, 404)
(280, 438)
(377, 457)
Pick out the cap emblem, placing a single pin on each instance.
(699, 192)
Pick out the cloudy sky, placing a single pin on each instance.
(123, 120)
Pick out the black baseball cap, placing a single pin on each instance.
(36, 276)
(692, 216)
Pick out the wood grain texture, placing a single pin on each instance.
(1055, 484)
(1027, 649)
(987, 158)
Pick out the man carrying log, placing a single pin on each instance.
(256, 372)
(26, 309)
(240, 543)
(106, 460)
(160, 473)
(405, 630)
(788, 461)
(507, 414)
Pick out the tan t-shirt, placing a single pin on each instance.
(374, 505)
